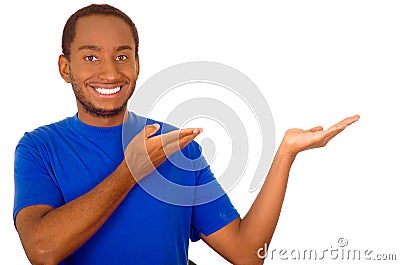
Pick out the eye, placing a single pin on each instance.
(121, 58)
(90, 58)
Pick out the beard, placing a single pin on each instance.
(90, 108)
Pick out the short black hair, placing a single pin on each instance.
(94, 9)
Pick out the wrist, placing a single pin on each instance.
(286, 151)
(126, 171)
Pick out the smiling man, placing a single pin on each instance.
(102, 66)
(77, 197)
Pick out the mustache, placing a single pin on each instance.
(96, 83)
(99, 82)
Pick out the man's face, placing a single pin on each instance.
(103, 68)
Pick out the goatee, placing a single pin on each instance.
(90, 108)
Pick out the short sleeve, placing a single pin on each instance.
(33, 181)
(215, 209)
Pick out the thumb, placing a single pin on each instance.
(151, 129)
(316, 129)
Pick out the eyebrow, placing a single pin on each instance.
(89, 47)
(124, 47)
(97, 48)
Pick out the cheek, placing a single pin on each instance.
(130, 72)
(134, 67)
(82, 72)
(81, 77)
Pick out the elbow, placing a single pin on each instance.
(40, 254)
(41, 257)
(40, 243)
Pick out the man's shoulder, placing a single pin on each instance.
(46, 131)
(51, 127)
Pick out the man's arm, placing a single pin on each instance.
(240, 240)
(50, 235)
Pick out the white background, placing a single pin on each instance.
(316, 62)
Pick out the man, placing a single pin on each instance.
(78, 200)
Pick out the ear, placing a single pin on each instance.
(63, 68)
(137, 65)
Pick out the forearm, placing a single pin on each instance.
(256, 229)
(258, 226)
(59, 232)
(239, 241)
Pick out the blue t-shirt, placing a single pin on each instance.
(57, 163)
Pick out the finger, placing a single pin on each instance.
(175, 135)
(316, 129)
(185, 137)
(190, 132)
(183, 141)
(151, 129)
(345, 122)
(339, 127)
(352, 119)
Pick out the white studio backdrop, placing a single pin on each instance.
(315, 62)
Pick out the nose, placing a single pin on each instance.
(109, 71)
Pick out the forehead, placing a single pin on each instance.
(102, 30)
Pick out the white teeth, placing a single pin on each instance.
(107, 91)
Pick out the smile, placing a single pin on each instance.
(107, 91)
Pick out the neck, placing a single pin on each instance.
(92, 120)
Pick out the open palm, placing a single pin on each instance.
(298, 140)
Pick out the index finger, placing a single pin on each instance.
(344, 123)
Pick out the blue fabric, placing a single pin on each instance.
(55, 164)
